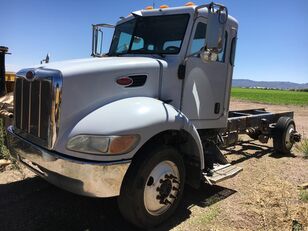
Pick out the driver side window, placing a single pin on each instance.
(124, 41)
(199, 39)
(199, 42)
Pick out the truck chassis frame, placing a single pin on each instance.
(260, 125)
(241, 120)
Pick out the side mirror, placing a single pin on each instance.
(217, 19)
(216, 25)
(97, 39)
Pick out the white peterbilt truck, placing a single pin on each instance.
(144, 119)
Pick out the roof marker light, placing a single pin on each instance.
(190, 4)
(149, 8)
(164, 6)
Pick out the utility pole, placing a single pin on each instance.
(3, 52)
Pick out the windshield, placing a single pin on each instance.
(150, 35)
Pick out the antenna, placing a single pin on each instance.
(46, 60)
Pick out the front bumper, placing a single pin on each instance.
(94, 179)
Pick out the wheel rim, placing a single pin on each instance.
(161, 188)
(288, 141)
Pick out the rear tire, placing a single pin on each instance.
(281, 135)
(152, 187)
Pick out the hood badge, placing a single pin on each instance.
(125, 81)
(30, 75)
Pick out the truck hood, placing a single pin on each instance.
(96, 65)
(89, 84)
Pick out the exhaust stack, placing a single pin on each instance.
(3, 52)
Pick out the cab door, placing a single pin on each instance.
(205, 84)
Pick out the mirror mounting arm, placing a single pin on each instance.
(211, 9)
(96, 29)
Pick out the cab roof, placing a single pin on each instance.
(191, 9)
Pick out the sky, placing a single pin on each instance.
(272, 37)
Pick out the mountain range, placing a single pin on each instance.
(268, 84)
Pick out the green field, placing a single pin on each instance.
(282, 97)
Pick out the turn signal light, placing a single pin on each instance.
(164, 6)
(123, 144)
(190, 4)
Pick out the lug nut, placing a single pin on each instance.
(172, 196)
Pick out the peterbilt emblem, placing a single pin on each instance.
(125, 81)
(30, 75)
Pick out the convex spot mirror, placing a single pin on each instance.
(208, 56)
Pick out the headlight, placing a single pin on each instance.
(103, 144)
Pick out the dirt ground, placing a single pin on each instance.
(265, 196)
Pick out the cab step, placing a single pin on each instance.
(221, 172)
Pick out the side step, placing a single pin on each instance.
(221, 172)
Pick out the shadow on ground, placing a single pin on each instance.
(251, 149)
(34, 204)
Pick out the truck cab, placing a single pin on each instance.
(138, 122)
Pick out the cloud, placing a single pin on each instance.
(12, 67)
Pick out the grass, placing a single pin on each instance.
(280, 97)
(4, 152)
(303, 195)
(296, 226)
(303, 147)
(208, 216)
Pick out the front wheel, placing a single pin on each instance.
(153, 187)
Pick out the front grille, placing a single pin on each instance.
(35, 109)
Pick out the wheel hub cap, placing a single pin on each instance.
(288, 141)
(161, 188)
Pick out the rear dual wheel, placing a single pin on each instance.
(153, 187)
(282, 135)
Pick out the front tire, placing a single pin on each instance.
(153, 187)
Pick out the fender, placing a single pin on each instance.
(137, 115)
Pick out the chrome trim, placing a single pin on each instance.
(55, 109)
(22, 103)
(88, 178)
(39, 117)
(56, 79)
(30, 105)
